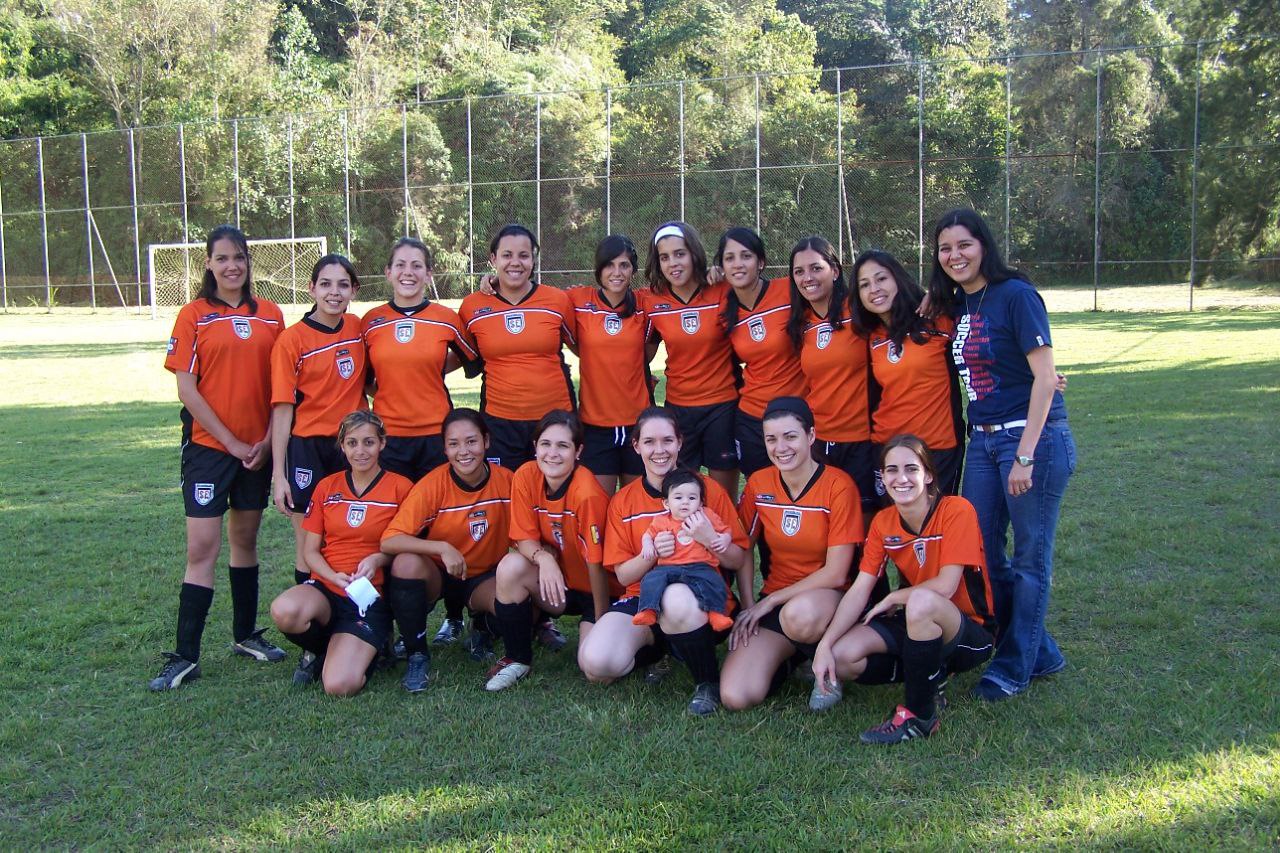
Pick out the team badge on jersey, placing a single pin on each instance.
(919, 547)
(612, 324)
(515, 322)
(173, 344)
(895, 354)
(791, 521)
(824, 336)
(203, 493)
(242, 328)
(302, 477)
(346, 367)
(355, 514)
(690, 322)
(478, 529)
(404, 331)
(756, 327)
(558, 533)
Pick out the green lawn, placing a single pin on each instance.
(1163, 731)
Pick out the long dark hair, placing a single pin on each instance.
(903, 317)
(340, 260)
(755, 245)
(608, 249)
(799, 305)
(209, 284)
(697, 253)
(942, 290)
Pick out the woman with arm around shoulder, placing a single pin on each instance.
(1021, 452)
(938, 622)
(810, 516)
(220, 352)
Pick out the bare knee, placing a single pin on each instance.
(409, 566)
(680, 611)
(802, 621)
(511, 578)
(737, 696)
(287, 614)
(344, 684)
(923, 605)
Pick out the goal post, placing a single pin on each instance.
(280, 269)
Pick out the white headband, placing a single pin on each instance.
(668, 231)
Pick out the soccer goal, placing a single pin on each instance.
(281, 269)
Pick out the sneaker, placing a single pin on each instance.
(176, 670)
(418, 673)
(549, 636)
(1052, 669)
(479, 644)
(505, 673)
(706, 699)
(988, 691)
(450, 632)
(655, 672)
(310, 665)
(902, 726)
(253, 646)
(825, 697)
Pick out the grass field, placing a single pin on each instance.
(1164, 731)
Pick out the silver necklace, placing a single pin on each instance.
(967, 309)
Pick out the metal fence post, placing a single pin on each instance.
(471, 214)
(1097, 178)
(1195, 168)
(757, 79)
(920, 174)
(235, 161)
(839, 167)
(182, 163)
(404, 160)
(137, 234)
(44, 226)
(1008, 146)
(537, 177)
(608, 160)
(346, 181)
(681, 100)
(88, 218)
(4, 273)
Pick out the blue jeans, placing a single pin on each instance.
(1024, 648)
(703, 580)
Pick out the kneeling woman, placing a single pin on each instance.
(939, 621)
(557, 524)
(342, 531)
(810, 516)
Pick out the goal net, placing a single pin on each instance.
(280, 268)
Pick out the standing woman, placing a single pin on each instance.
(757, 314)
(518, 331)
(317, 379)
(836, 363)
(911, 362)
(616, 645)
(557, 525)
(684, 312)
(1021, 452)
(220, 352)
(811, 518)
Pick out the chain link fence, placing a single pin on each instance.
(1108, 174)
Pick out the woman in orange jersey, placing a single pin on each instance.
(939, 621)
(911, 361)
(317, 378)
(810, 516)
(684, 312)
(459, 516)
(757, 313)
(518, 331)
(220, 352)
(341, 534)
(557, 523)
(835, 360)
(616, 645)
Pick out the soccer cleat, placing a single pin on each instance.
(706, 699)
(505, 673)
(177, 669)
(479, 644)
(450, 632)
(549, 636)
(310, 665)
(902, 726)
(655, 672)
(825, 697)
(418, 673)
(253, 646)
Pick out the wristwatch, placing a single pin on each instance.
(1026, 461)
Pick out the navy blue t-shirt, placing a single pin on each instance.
(990, 349)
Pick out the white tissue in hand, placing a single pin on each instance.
(362, 593)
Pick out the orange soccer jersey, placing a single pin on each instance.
(950, 536)
(228, 350)
(699, 359)
(615, 383)
(473, 519)
(635, 507)
(407, 350)
(525, 374)
(799, 530)
(351, 523)
(571, 521)
(771, 367)
(918, 393)
(835, 362)
(691, 551)
(321, 371)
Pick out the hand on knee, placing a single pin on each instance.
(801, 622)
(922, 611)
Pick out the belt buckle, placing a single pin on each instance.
(989, 428)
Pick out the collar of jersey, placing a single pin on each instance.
(466, 487)
(498, 295)
(372, 484)
(560, 492)
(807, 486)
(928, 517)
(411, 310)
(321, 327)
(216, 301)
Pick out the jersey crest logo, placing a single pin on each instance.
(756, 327)
(302, 477)
(690, 322)
(895, 354)
(515, 322)
(478, 529)
(242, 328)
(612, 324)
(791, 521)
(919, 547)
(404, 331)
(355, 514)
(346, 367)
(824, 337)
(204, 493)
(558, 533)
(173, 344)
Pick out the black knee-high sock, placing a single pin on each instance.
(193, 609)
(244, 600)
(698, 651)
(650, 654)
(299, 576)
(408, 600)
(314, 639)
(515, 625)
(923, 671)
(454, 598)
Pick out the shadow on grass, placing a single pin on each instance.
(85, 350)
